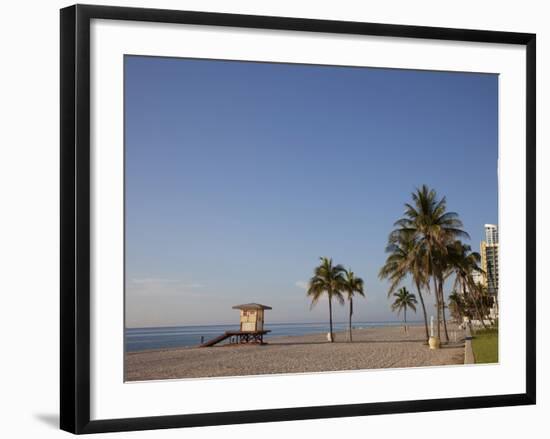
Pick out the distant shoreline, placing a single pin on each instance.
(197, 325)
(146, 339)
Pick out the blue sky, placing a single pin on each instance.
(240, 175)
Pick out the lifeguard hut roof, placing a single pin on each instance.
(245, 306)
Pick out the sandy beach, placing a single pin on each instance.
(372, 348)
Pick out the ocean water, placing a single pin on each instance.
(141, 339)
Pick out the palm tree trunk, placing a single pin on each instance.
(330, 316)
(424, 311)
(478, 304)
(405, 317)
(442, 298)
(483, 309)
(475, 298)
(350, 314)
(438, 306)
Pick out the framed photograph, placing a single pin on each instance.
(274, 218)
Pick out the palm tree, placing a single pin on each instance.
(351, 286)
(327, 279)
(485, 300)
(457, 305)
(404, 300)
(405, 257)
(433, 227)
(464, 263)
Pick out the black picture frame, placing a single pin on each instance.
(75, 217)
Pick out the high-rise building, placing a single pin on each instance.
(491, 234)
(489, 258)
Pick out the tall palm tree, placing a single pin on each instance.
(351, 286)
(434, 227)
(404, 300)
(405, 257)
(327, 279)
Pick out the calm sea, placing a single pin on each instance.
(140, 339)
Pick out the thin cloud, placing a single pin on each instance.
(193, 285)
(301, 284)
(152, 280)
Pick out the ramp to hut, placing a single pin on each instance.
(242, 337)
(216, 340)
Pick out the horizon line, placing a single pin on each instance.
(272, 323)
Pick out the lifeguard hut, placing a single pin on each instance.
(252, 316)
(251, 329)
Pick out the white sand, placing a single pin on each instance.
(373, 348)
